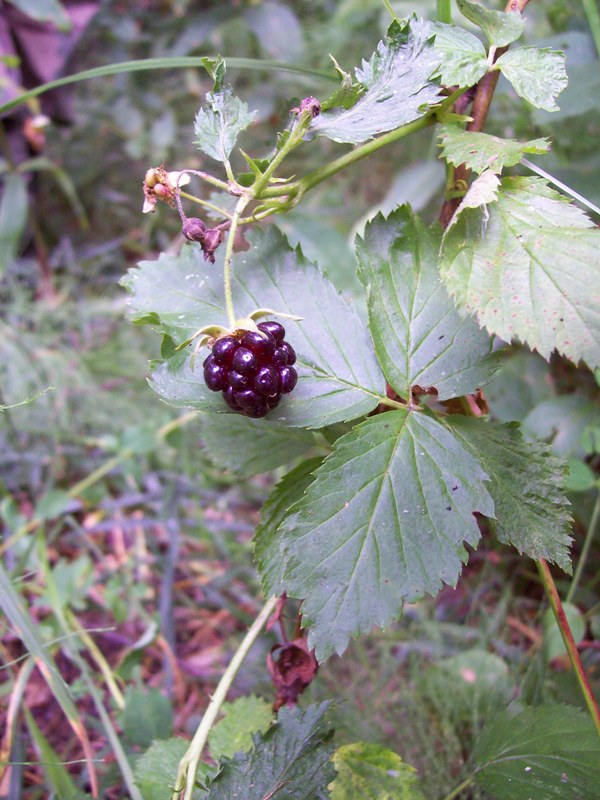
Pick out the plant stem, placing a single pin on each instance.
(560, 185)
(584, 550)
(567, 635)
(235, 219)
(186, 774)
(458, 789)
(221, 211)
(593, 17)
(389, 9)
(444, 11)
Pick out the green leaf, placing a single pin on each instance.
(480, 151)
(553, 644)
(562, 421)
(53, 504)
(549, 751)
(156, 769)
(420, 338)
(278, 506)
(45, 11)
(527, 486)
(358, 546)
(219, 124)
(291, 760)
(347, 93)
(527, 266)
(251, 446)
(397, 83)
(14, 208)
(372, 772)
(537, 75)
(463, 57)
(500, 27)
(580, 477)
(233, 733)
(187, 294)
(147, 716)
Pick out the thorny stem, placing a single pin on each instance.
(584, 550)
(567, 635)
(481, 106)
(241, 205)
(186, 773)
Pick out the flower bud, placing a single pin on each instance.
(194, 229)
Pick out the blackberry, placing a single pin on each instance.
(252, 370)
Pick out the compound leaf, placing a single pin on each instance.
(463, 57)
(277, 507)
(480, 151)
(397, 86)
(185, 294)
(219, 124)
(290, 760)
(527, 265)
(251, 446)
(384, 521)
(500, 27)
(419, 336)
(549, 751)
(372, 772)
(538, 75)
(527, 486)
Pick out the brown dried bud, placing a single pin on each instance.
(194, 229)
(212, 239)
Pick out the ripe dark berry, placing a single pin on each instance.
(276, 330)
(280, 357)
(245, 361)
(215, 376)
(266, 381)
(262, 345)
(224, 348)
(252, 370)
(238, 381)
(288, 378)
(291, 353)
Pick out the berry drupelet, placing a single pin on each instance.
(252, 371)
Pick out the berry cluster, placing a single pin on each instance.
(252, 371)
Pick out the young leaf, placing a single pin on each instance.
(549, 751)
(187, 294)
(233, 733)
(419, 336)
(156, 769)
(148, 715)
(463, 57)
(528, 266)
(290, 760)
(278, 506)
(397, 83)
(372, 772)
(251, 446)
(358, 546)
(527, 486)
(219, 124)
(537, 75)
(501, 28)
(480, 151)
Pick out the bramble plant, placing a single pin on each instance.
(395, 467)
(386, 516)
